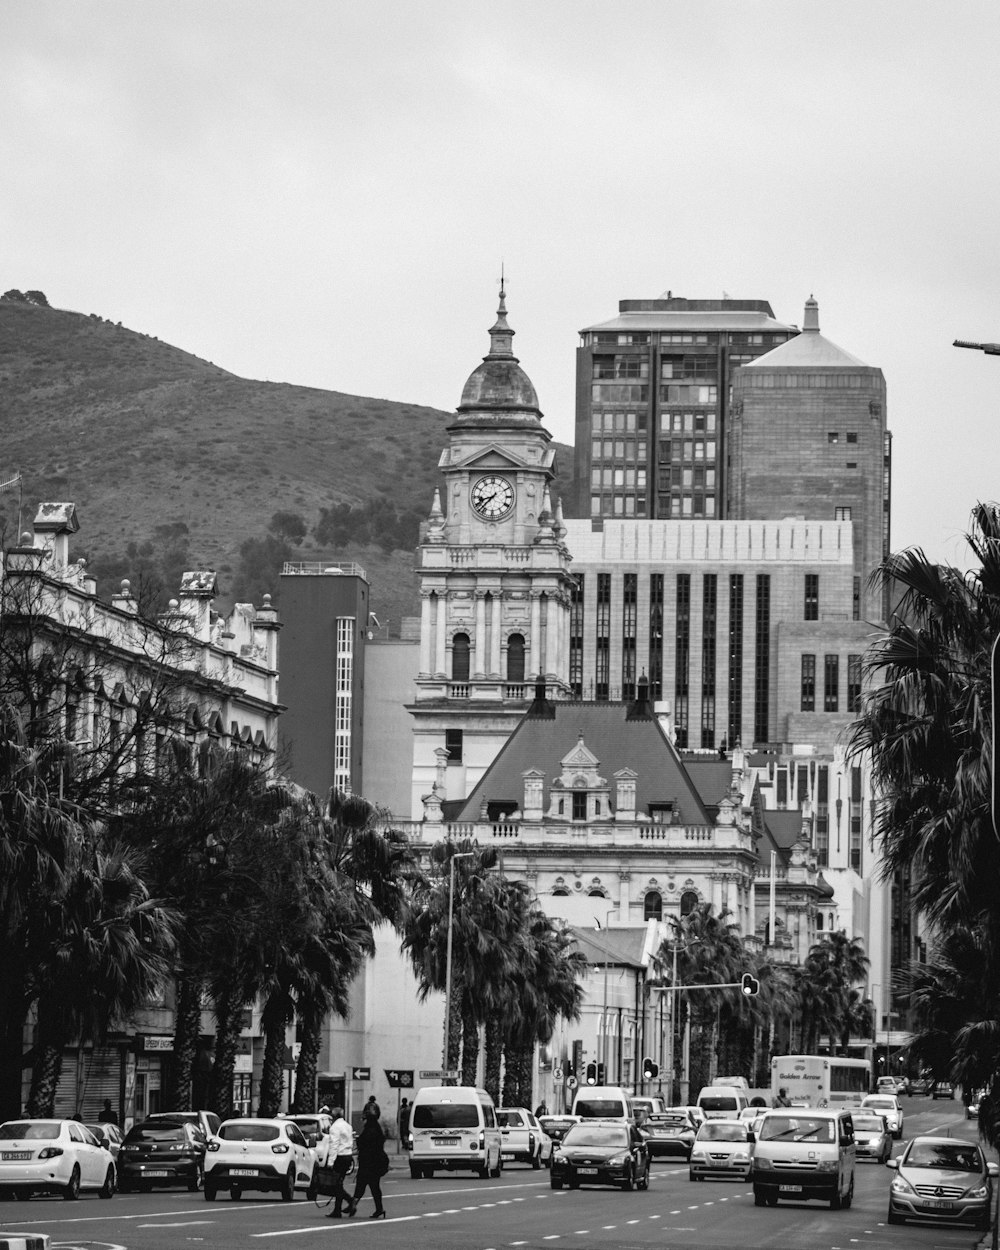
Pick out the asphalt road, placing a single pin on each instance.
(519, 1210)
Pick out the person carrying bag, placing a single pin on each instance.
(373, 1162)
(339, 1157)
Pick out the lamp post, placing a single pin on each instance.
(447, 972)
(604, 1015)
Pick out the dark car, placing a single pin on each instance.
(669, 1133)
(942, 1179)
(596, 1153)
(162, 1152)
(207, 1121)
(943, 1089)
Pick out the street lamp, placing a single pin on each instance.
(447, 973)
(991, 349)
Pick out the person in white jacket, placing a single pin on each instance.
(339, 1154)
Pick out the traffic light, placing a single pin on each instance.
(749, 985)
(591, 1073)
(650, 1070)
(600, 1074)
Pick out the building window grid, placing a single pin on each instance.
(831, 682)
(735, 730)
(576, 635)
(808, 699)
(854, 683)
(811, 606)
(762, 648)
(709, 622)
(682, 656)
(630, 593)
(656, 636)
(343, 703)
(603, 648)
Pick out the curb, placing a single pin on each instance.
(24, 1241)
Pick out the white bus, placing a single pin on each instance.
(821, 1080)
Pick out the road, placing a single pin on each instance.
(517, 1211)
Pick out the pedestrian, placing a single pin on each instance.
(373, 1162)
(108, 1115)
(404, 1120)
(782, 1099)
(541, 1109)
(366, 1110)
(339, 1156)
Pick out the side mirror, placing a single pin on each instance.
(894, 1163)
(993, 1169)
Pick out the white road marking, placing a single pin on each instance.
(319, 1228)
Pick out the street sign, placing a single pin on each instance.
(571, 1082)
(557, 1074)
(399, 1078)
(361, 1074)
(431, 1074)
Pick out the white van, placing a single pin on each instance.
(646, 1105)
(602, 1102)
(804, 1152)
(454, 1127)
(722, 1102)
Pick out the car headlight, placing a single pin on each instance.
(900, 1185)
(980, 1191)
(827, 1165)
(741, 1156)
(698, 1156)
(617, 1161)
(761, 1164)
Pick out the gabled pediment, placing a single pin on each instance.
(491, 457)
(581, 757)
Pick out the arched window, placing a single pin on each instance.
(460, 657)
(559, 890)
(689, 901)
(596, 892)
(515, 658)
(653, 906)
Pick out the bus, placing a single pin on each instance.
(821, 1080)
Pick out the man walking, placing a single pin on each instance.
(339, 1154)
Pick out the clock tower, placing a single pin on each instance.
(494, 575)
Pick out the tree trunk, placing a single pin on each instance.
(273, 1021)
(494, 1059)
(451, 1058)
(228, 1012)
(307, 1068)
(47, 1065)
(12, 1017)
(187, 1030)
(470, 1047)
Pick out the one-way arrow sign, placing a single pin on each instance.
(399, 1078)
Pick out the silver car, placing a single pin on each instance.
(721, 1148)
(944, 1180)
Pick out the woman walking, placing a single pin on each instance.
(373, 1162)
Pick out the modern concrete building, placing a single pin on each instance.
(652, 404)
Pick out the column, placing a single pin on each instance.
(440, 624)
(551, 634)
(478, 656)
(495, 670)
(425, 631)
(535, 667)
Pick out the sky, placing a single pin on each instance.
(322, 192)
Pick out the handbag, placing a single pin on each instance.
(324, 1180)
(383, 1164)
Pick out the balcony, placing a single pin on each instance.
(602, 835)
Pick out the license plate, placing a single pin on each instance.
(790, 1189)
(242, 1171)
(587, 1171)
(936, 1204)
(445, 1141)
(158, 1172)
(11, 1156)
(506, 1156)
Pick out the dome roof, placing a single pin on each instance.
(499, 391)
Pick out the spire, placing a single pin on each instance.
(501, 335)
(810, 319)
(436, 513)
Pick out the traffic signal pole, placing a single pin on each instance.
(747, 984)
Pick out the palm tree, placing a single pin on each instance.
(109, 950)
(831, 1000)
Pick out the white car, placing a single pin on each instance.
(886, 1105)
(522, 1139)
(54, 1156)
(722, 1148)
(258, 1154)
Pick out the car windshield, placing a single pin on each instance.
(596, 1135)
(237, 1130)
(179, 1117)
(868, 1124)
(155, 1133)
(445, 1115)
(796, 1128)
(510, 1119)
(718, 1104)
(954, 1156)
(669, 1121)
(20, 1130)
(715, 1130)
(874, 1101)
(598, 1108)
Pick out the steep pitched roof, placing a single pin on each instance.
(784, 828)
(615, 734)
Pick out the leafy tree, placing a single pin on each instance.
(288, 526)
(13, 296)
(259, 568)
(36, 297)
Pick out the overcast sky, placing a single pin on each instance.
(321, 191)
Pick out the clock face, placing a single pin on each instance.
(492, 497)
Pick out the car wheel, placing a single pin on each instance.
(644, 1183)
(288, 1188)
(71, 1190)
(498, 1170)
(210, 1192)
(415, 1172)
(983, 1223)
(107, 1190)
(629, 1181)
(574, 1183)
(536, 1161)
(835, 1200)
(555, 1182)
(235, 1193)
(428, 1173)
(894, 1218)
(848, 1198)
(484, 1172)
(759, 1197)
(196, 1182)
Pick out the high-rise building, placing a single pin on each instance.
(652, 404)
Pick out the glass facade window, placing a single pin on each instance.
(682, 657)
(343, 704)
(808, 700)
(576, 635)
(652, 908)
(630, 591)
(762, 657)
(831, 681)
(735, 728)
(515, 658)
(460, 657)
(854, 683)
(709, 622)
(811, 606)
(655, 636)
(453, 745)
(603, 657)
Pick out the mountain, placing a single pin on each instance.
(176, 464)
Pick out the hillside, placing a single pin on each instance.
(173, 462)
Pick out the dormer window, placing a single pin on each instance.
(661, 813)
(579, 805)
